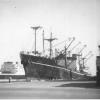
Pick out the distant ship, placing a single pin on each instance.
(9, 68)
(62, 66)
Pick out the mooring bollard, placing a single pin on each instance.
(70, 74)
(10, 79)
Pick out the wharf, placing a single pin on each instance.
(41, 89)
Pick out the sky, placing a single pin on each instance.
(64, 18)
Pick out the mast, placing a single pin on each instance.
(35, 28)
(50, 40)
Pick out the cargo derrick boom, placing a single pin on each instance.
(69, 52)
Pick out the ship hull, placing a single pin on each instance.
(45, 68)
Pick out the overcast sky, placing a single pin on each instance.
(65, 18)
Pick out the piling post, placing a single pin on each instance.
(10, 79)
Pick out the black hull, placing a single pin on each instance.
(44, 68)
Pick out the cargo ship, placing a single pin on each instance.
(8, 68)
(61, 66)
